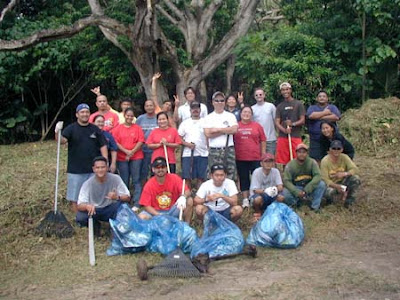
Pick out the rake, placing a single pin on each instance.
(55, 223)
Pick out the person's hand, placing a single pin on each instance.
(213, 197)
(96, 91)
(113, 195)
(240, 97)
(271, 191)
(339, 175)
(280, 198)
(288, 130)
(163, 141)
(91, 209)
(59, 126)
(156, 76)
(176, 98)
(113, 167)
(288, 123)
(302, 194)
(181, 202)
(192, 146)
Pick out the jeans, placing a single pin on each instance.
(102, 214)
(132, 169)
(146, 162)
(316, 196)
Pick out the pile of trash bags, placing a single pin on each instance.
(279, 227)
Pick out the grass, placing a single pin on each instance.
(29, 263)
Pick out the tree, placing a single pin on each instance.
(145, 41)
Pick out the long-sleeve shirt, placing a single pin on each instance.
(306, 175)
(330, 168)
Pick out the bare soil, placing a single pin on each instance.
(347, 254)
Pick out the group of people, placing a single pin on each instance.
(234, 148)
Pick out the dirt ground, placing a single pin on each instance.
(347, 254)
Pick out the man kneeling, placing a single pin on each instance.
(162, 194)
(219, 194)
(101, 195)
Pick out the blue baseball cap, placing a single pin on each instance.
(82, 106)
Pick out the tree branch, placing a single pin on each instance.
(9, 7)
(64, 32)
(175, 10)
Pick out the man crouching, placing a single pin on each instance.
(101, 195)
(219, 194)
(162, 194)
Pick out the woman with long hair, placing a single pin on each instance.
(329, 133)
(164, 135)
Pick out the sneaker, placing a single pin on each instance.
(246, 203)
(135, 209)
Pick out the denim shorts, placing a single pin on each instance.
(173, 212)
(226, 213)
(199, 169)
(74, 184)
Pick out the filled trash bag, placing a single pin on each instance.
(161, 234)
(220, 237)
(279, 227)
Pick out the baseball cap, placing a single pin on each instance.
(267, 157)
(336, 144)
(159, 161)
(195, 104)
(218, 93)
(301, 146)
(285, 84)
(82, 106)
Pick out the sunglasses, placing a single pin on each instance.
(160, 167)
(336, 148)
(217, 167)
(219, 100)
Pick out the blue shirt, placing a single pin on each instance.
(314, 126)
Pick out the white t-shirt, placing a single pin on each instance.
(184, 111)
(264, 114)
(228, 188)
(192, 132)
(261, 181)
(222, 120)
(94, 192)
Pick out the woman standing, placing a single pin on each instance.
(130, 138)
(111, 145)
(164, 135)
(328, 134)
(250, 144)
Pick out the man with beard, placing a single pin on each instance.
(85, 142)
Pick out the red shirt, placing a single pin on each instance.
(111, 119)
(128, 137)
(171, 135)
(247, 141)
(162, 196)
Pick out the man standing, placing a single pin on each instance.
(184, 110)
(124, 104)
(101, 195)
(162, 194)
(290, 117)
(148, 122)
(219, 194)
(302, 180)
(219, 127)
(264, 113)
(340, 174)
(322, 111)
(111, 119)
(195, 151)
(85, 142)
(266, 183)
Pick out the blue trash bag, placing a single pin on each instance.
(220, 237)
(160, 234)
(130, 233)
(279, 227)
(168, 233)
